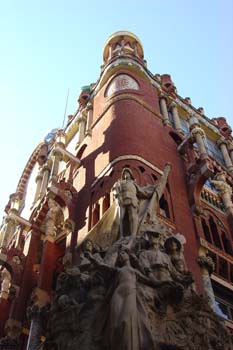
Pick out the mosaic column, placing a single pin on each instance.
(39, 179)
(45, 173)
(164, 111)
(230, 147)
(57, 157)
(207, 267)
(222, 143)
(82, 127)
(89, 110)
(6, 232)
(198, 135)
(49, 246)
(6, 283)
(176, 117)
(36, 315)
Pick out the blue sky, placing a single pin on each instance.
(48, 47)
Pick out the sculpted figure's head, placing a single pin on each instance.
(154, 238)
(123, 257)
(87, 246)
(127, 174)
(172, 244)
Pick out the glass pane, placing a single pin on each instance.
(221, 309)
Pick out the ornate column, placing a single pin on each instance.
(230, 148)
(50, 248)
(6, 283)
(225, 191)
(163, 107)
(82, 127)
(57, 154)
(38, 185)
(89, 110)
(51, 218)
(207, 267)
(36, 315)
(45, 174)
(176, 117)
(13, 330)
(6, 233)
(57, 157)
(222, 143)
(198, 136)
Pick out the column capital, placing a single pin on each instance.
(221, 141)
(89, 106)
(173, 104)
(206, 262)
(45, 167)
(35, 312)
(230, 146)
(162, 95)
(57, 152)
(39, 176)
(197, 130)
(83, 114)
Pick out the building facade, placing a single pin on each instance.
(131, 119)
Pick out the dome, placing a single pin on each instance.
(125, 40)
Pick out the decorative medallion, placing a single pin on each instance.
(121, 82)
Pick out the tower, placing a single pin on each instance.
(74, 213)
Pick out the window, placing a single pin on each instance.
(223, 309)
(184, 126)
(164, 208)
(206, 230)
(213, 150)
(223, 301)
(215, 234)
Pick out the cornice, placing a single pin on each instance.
(129, 62)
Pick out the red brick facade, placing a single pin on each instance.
(130, 127)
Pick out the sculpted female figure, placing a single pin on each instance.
(126, 320)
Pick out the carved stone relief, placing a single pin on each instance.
(135, 294)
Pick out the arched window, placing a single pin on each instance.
(206, 230)
(226, 243)
(223, 268)
(215, 234)
(164, 208)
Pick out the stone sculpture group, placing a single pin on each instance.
(137, 294)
